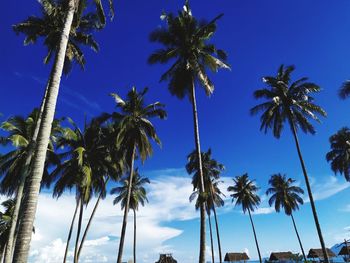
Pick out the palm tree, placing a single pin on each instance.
(86, 166)
(138, 196)
(213, 198)
(211, 171)
(244, 193)
(339, 155)
(344, 90)
(284, 194)
(287, 101)
(30, 203)
(135, 131)
(5, 224)
(185, 40)
(15, 164)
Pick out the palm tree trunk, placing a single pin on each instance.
(200, 169)
(217, 228)
(90, 220)
(134, 248)
(313, 207)
(211, 239)
(126, 210)
(31, 201)
(71, 230)
(296, 231)
(78, 231)
(8, 253)
(256, 240)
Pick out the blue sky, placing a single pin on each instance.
(258, 35)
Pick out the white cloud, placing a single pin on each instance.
(168, 201)
(326, 187)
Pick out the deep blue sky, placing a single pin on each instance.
(258, 36)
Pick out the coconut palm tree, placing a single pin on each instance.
(49, 27)
(71, 7)
(138, 196)
(244, 193)
(291, 102)
(86, 166)
(185, 41)
(286, 195)
(211, 171)
(339, 155)
(213, 199)
(344, 90)
(15, 164)
(5, 224)
(135, 132)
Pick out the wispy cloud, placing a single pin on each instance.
(70, 97)
(325, 187)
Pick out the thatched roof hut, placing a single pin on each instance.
(344, 251)
(166, 258)
(281, 256)
(317, 253)
(234, 257)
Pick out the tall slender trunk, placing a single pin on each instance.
(216, 226)
(134, 248)
(296, 231)
(200, 169)
(8, 253)
(256, 240)
(313, 207)
(31, 201)
(71, 230)
(127, 205)
(89, 222)
(78, 231)
(211, 239)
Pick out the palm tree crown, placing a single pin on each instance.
(244, 193)
(134, 127)
(284, 194)
(185, 40)
(50, 25)
(339, 155)
(138, 192)
(287, 101)
(19, 134)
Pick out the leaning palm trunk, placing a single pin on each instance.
(296, 231)
(211, 239)
(71, 231)
(78, 231)
(31, 200)
(127, 205)
(8, 253)
(313, 207)
(89, 222)
(256, 240)
(134, 248)
(200, 169)
(217, 228)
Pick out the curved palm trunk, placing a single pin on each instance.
(8, 253)
(313, 207)
(78, 231)
(134, 248)
(70, 231)
(89, 222)
(31, 200)
(200, 169)
(296, 231)
(126, 210)
(256, 240)
(211, 239)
